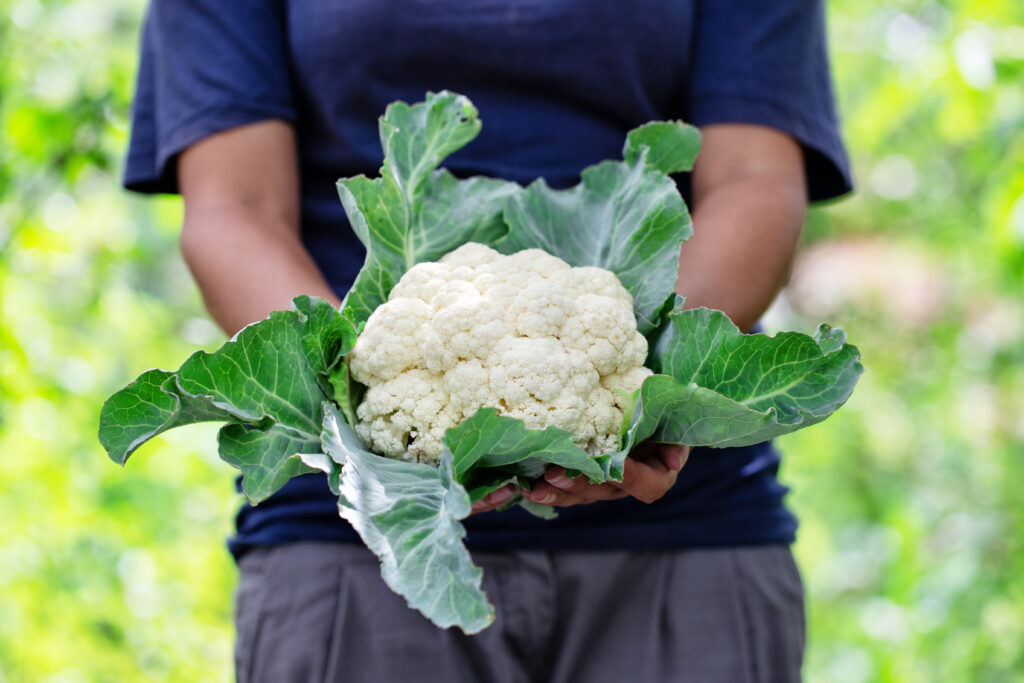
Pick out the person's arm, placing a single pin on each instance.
(749, 202)
(241, 236)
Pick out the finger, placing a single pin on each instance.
(493, 499)
(482, 505)
(646, 480)
(673, 456)
(546, 494)
(579, 486)
(557, 477)
(556, 499)
(485, 506)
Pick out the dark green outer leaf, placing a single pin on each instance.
(326, 336)
(262, 452)
(267, 384)
(408, 515)
(148, 406)
(488, 441)
(723, 388)
(347, 393)
(791, 374)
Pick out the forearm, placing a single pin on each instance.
(749, 204)
(241, 236)
(745, 234)
(247, 265)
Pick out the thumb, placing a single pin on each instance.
(674, 456)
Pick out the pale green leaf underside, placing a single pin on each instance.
(408, 515)
(626, 217)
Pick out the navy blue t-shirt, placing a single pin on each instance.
(558, 84)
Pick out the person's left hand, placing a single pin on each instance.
(649, 472)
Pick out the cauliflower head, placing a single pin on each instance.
(526, 334)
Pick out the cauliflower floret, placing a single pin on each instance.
(537, 262)
(506, 276)
(623, 384)
(540, 310)
(522, 367)
(391, 342)
(497, 282)
(427, 445)
(601, 327)
(600, 418)
(564, 411)
(465, 325)
(526, 334)
(583, 377)
(454, 293)
(576, 282)
(468, 384)
(634, 353)
(422, 281)
(471, 255)
(406, 417)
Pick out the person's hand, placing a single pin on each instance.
(649, 472)
(494, 499)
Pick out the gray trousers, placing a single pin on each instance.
(312, 612)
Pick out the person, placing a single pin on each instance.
(252, 110)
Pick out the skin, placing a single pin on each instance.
(241, 240)
(240, 236)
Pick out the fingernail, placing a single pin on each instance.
(559, 476)
(501, 495)
(547, 499)
(675, 460)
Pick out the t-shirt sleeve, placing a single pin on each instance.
(205, 66)
(766, 63)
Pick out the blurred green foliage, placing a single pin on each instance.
(912, 537)
(912, 541)
(105, 575)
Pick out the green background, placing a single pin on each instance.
(911, 497)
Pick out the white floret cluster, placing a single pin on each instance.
(526, 334)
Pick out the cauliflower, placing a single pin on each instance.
(526, 334)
